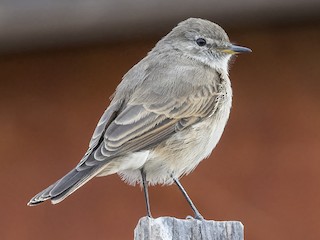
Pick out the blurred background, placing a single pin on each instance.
(61, 60)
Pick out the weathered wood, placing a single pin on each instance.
(165, 228)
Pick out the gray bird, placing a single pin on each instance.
(167, 114)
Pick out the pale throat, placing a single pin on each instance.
(219, 64)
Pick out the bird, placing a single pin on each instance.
(166, 115)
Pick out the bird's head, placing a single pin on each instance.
(202, 40)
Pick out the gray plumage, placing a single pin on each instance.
(167, 114)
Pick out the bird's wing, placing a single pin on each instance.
(138, 121)
(139, 126)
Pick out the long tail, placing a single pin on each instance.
(66, 185)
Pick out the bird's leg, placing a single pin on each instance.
(145, 190)
(197, 215)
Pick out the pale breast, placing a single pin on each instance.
(184, 150)
(181, 153)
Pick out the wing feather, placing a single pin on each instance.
(140, 126)
(152, 112)
(142, 114)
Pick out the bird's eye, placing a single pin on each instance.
(201, 42)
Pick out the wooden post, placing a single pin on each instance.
(169, 228)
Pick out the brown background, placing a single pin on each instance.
(265, 171)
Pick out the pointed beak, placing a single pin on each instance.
(234, 49)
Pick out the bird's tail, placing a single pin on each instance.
(66, 185)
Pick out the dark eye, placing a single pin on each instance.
(201, 42)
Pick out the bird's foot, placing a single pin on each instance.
(198, 217)
(149, 215)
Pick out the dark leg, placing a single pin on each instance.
(145, 190)
(197, 215)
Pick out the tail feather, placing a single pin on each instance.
(66, 185)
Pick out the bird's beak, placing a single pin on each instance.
(234, 49)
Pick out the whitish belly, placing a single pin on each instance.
(181, 153)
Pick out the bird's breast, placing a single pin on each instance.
(182, 152)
